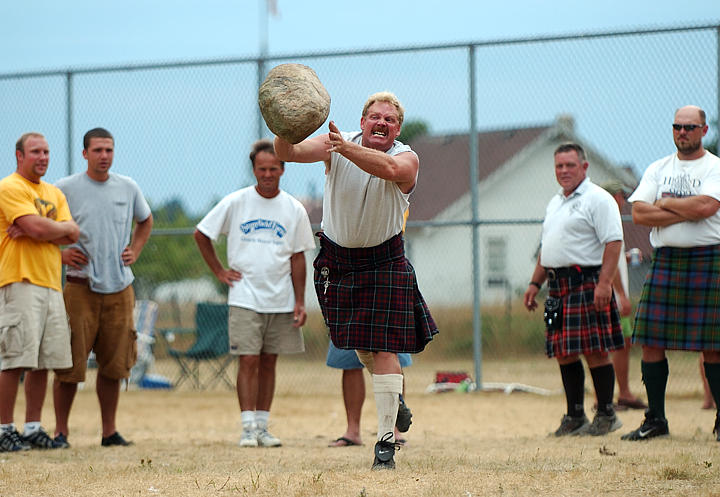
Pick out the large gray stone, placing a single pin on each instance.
(293, 101)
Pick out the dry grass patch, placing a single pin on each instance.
(465, 445)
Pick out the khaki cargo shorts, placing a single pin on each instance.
(253, 332)
(102, 322)
(34, 330)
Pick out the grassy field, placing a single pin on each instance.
(463, 445)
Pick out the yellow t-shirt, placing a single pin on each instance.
(24, 258)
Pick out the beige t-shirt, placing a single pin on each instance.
(359, 209)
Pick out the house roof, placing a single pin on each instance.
(444, 175)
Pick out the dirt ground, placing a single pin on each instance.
(460, 444)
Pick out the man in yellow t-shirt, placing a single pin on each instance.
(34, 335)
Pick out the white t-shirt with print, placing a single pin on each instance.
(262, 234)
(672, 177)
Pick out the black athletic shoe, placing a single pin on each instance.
(716, 429)
(404, 417)
(115, 439)
(40, 440)
(11, 441)
(572, 425)
(61, 439)
(650, 428)
(603, 424)
(385, 453)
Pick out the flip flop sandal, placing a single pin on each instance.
(346, 442)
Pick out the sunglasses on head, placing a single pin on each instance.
(686, 127)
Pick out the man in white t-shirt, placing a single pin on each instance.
(679, 198)
(268, 232)
(365, 286)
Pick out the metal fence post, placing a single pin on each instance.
(477, 320)
(69, 120)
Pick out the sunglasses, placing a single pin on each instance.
(686, 127)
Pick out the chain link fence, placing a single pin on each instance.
(183, 131)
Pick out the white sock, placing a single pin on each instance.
(387, 388)
(7, 428)
(261, 419)
(248, 419)
(31, 427)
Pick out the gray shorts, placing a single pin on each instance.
(251, 333)
(34, 331)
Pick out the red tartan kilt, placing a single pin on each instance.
(584, 330)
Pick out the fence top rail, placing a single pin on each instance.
(359, 52)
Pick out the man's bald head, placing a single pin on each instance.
(691, 112)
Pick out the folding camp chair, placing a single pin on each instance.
(211, 347)
(145, 314)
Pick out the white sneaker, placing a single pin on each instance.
(249, 438)
(267, 439)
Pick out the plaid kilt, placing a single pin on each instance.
(680, 303)
(370, 299)
(583, 330)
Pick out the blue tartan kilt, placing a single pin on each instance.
(370, 299)
(680, 302)
(583, 330)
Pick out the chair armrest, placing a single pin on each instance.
(169, 334)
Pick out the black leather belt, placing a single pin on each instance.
(77, 280)
(554, 273)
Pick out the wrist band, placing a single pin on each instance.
(535, 283)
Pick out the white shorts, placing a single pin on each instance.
(34, 330)
(253, 332)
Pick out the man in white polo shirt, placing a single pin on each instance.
(581, 243)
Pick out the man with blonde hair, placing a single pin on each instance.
(34, 220)
(366, 287)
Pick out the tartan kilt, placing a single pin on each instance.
(370, 299)
(583, 330)
(680, 302)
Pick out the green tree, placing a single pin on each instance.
(170, 254)
(413, 129)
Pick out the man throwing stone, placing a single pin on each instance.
(366, 287)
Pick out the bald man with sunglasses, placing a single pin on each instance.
(679, 198)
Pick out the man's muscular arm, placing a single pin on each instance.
(310, 150)
(693, 208)
(401, 168)
(646, 214)
(45, 229)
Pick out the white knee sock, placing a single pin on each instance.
(261, 419)
(31, 427)
(248, 420)
(387, 388)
